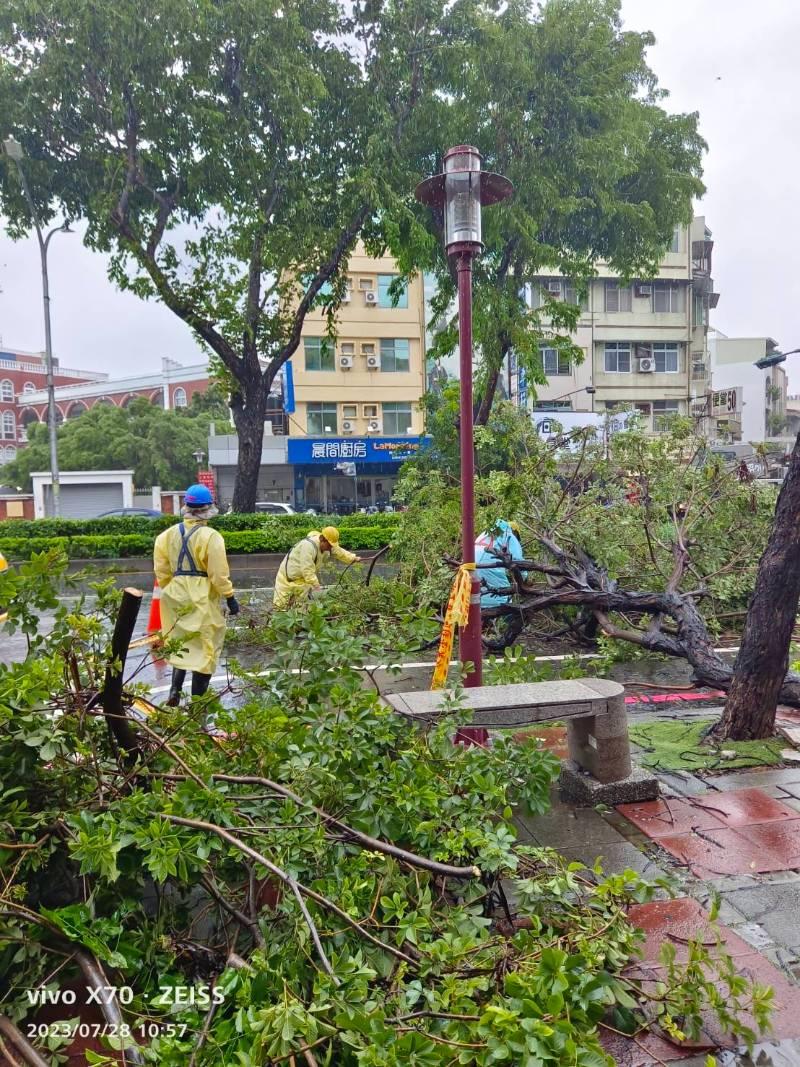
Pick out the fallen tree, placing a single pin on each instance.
(650, 541)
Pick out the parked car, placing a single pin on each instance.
(273, 507)
(147, 513)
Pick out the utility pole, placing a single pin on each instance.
(14, 151)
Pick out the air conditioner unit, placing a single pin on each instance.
(347, 426)
(346, 362)
(644, 289)
(554, 287)
(373, 362)
(347, 296)
(374, 426)
(370, 297)
(646, 366)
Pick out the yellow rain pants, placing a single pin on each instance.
(191, 611)
(298, 573)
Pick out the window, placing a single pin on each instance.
(6, 390)
(675, 246)
(366, 283)
(10, 453)
(29, 387)
(9, 425)
(319, 354)
(349, 411)
(370, 411)
(699, 312)
(394, 355)
(347, 348)
(321, 418)
(552, 405)
(617, 357)
(618, 298)
(555, 362)
(178, 398)
(666, 358)
(384, 296)
(397, 417)
(663, 412)
(668, 297)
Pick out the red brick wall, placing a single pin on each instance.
(14, 505)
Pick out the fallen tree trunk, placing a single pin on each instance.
(577, 581)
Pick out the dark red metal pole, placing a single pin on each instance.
(470, 636)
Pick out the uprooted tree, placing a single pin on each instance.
(646, 541)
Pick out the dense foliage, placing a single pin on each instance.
(218, 866)
(156, 445)
(629, 502)
(233, 185)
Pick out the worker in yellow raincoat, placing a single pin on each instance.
(3, 567)
(192, 569)
(298, 574)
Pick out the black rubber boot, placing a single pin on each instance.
(200, 683)
(176, 687)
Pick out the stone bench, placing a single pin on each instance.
(599, 770)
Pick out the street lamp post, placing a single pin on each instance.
(13, 150)
(460, 192)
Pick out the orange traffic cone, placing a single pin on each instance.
(154, 622)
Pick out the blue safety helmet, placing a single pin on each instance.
(198, 496)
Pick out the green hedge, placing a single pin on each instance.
(140, 524)
(237, 542)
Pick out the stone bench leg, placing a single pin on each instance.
(599, 744)
(599, 770)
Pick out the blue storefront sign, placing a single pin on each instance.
(304, 450)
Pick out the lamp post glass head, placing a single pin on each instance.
(198, 456)
(13, 149)
(460, 192)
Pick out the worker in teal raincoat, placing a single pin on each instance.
(489, 548)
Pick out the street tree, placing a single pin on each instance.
(759, 673)
(226, 155)
(156, 445)
(562, 101)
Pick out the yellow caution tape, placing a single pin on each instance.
(457, 614)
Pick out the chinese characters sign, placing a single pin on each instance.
(363, 449)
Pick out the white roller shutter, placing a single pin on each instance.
(84, 501)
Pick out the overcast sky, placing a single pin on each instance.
(733, 61)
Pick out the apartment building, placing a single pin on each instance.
(355, 400)
(645, 344)
(758, 408)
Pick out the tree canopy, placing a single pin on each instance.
(229, 154)
(156, 445)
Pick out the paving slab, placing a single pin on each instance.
(760, 849)
(668, 816)
(745, 807)
(758, 779)
(564, 825)
(678, 922)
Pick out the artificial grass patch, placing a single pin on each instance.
(678, 746)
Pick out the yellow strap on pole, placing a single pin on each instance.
(457, 614)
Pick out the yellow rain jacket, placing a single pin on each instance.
(192, 569)
(299, 571)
